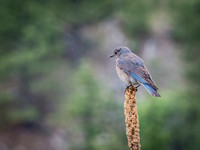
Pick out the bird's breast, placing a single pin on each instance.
(122, 75)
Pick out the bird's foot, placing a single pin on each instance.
(131, 86)
(128, 87)
(137, 87)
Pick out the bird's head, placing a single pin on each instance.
(119, 51)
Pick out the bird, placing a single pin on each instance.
(132, 70)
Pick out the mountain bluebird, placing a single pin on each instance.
(131, 70)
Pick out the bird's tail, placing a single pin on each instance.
(152, 90)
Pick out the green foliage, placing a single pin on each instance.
(135, 16)
(186, 14)
(39, 85)
(24, 55)
(170, 123)
(92, 114)
(32, 49)
(187, 32)
(84, 11)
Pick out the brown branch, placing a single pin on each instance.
(131, 119)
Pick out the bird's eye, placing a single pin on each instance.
(115, 52)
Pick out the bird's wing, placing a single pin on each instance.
(136, 70)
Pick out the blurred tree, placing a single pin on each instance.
(25, 53)
(187, 33)
(37, 36)
(134, 19)
(173, 122)
(93, 118)
(32, 47)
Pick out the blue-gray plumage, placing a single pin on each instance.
(131, 70)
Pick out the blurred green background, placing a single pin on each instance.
(59, 90)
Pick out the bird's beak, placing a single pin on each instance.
(111, 56)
